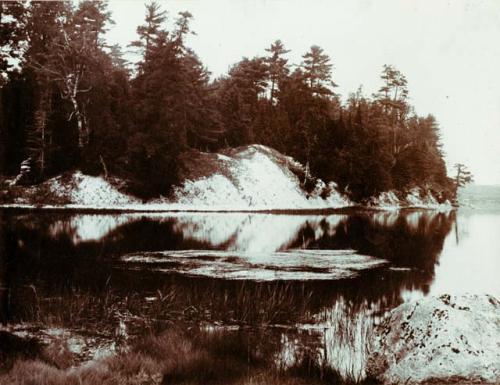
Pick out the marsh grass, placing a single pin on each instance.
(166, 342)
(252, 304)
(350, 328)
(173, 357)
(242, 304)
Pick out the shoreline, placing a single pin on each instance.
(175, 208)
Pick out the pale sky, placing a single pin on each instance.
(448, 50)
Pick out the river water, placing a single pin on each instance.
(299, 288)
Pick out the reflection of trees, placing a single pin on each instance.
(413, 239)
(324, 324)
(4, 272)
(55, 251)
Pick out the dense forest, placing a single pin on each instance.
(69, 100)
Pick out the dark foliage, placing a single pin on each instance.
(73, 102)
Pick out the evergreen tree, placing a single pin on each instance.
(462, 177)
(240, 98)
(318, 71)
(152, 34)
(72, 56)
(393, 97)
(41, 30)
(277, 67)
(74, 103)
(172, 102)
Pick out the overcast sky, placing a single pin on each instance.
(448, 50)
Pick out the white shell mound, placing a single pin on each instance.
(248, 178)
(256, 177)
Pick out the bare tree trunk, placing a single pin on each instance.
(104, 167)
(72, 90)
(272, 91)
(394, 150)
(40, 125)
(82, 140)
(39, 134)
(457, 181)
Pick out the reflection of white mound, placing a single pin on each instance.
(88, 227)
(333, 222)
(267, 232)
(252, 232)
(216, 229)
(270, 266)
(414, 219)
(385, 218)
(255, 232)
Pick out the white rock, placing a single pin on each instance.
(446, 339)
(256, 178)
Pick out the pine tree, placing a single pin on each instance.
(393, 97)
(240, 96)
(277, 67)
(318, 71)
(42, 30)
(462, 177)
(152, 34)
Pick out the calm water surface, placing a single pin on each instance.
(296, 287)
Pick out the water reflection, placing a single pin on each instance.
(55, 255)
(340, 336)
(470, 261)
(64, 249)
(87, 228)
(244, 232)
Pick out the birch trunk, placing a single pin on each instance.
(72, 84)
(82, 137)
(41, 117)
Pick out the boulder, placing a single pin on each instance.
(25, 176)
(446, 339)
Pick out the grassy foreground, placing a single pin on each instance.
(174, 357)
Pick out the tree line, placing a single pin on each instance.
(69, 100)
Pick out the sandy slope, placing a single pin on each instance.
(247, 178)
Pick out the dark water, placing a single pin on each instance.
(243, 273)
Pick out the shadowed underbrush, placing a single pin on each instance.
(173, 357)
